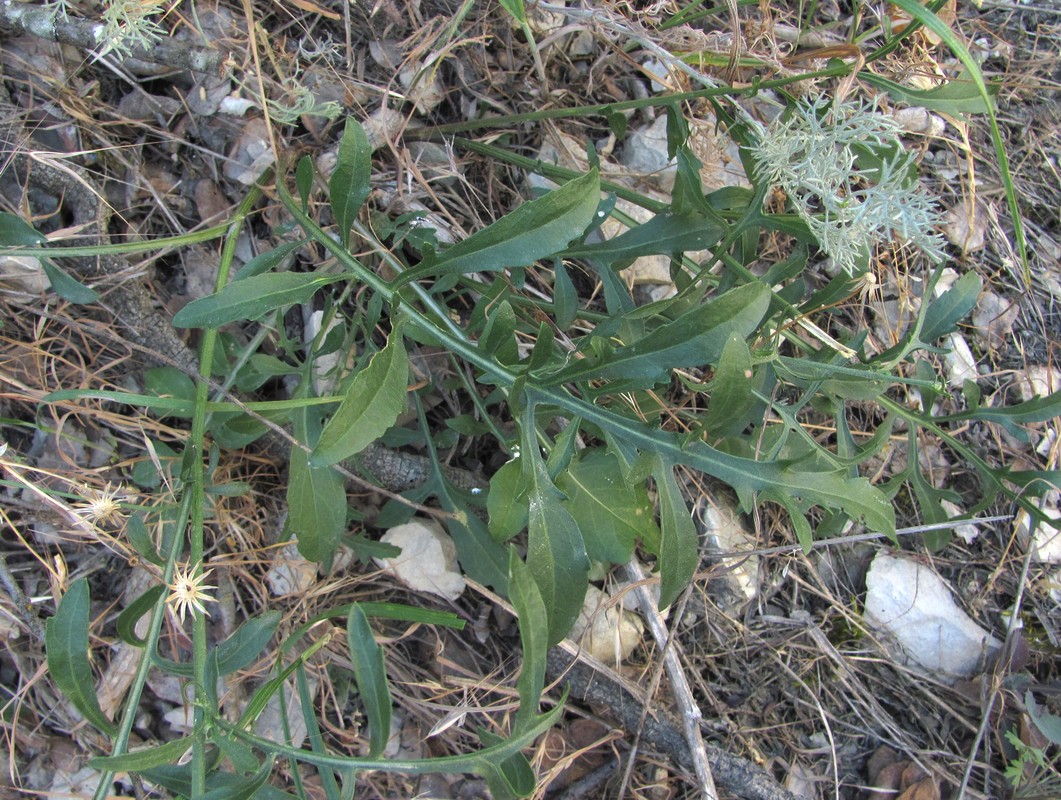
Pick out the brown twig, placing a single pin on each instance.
(661, 731)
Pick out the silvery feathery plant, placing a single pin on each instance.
(126, 24)
(849, 179)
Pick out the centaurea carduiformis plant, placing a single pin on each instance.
(849, 179)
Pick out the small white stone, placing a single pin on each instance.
(23, 277)
(967, 533)
(966, 228)
(290, 572)
(428, 561)
(910, 603)
(1039, 381)
(645, 151)
(961, 365)
(659, 73)
(236, 106)
(605, 630)
(919, 120)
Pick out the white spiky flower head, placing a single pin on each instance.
(187, 591)
(101, 507)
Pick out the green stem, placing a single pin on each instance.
(154, 631)
(198, 493)
(119, 248)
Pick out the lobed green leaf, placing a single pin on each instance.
(316, 507)
(695, 338)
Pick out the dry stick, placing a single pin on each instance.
(683, 695)
(598, 686)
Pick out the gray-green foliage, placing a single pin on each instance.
(849, 178)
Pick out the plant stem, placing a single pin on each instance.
(194, 461)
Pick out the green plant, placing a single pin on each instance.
(1029, 771)
(565, 374)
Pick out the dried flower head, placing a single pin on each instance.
(189, 592)
(849, 179)
(101, 506)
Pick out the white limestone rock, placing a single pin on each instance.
(428, 561)
(911, 605)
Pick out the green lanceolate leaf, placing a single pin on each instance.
(252, 298)
(533, 635)
(140, 539)
(612, 514)
(665, 234)
(16, 232)
(132, 613)
(264, 262)
(556, 554)
(535, 230)
(67, 287)
(678, 549)
(304, 180)
(946, 311)
(506, 504)
(372, 404)
(316, 507)
(956, 97)
(695, 338)
(246, 643)
(147, 758)
(66, 644)
(350, 183)
(371, 676)
(1048, 724)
